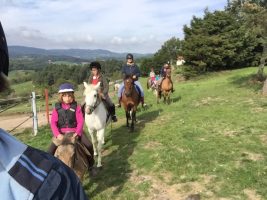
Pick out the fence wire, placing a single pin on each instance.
(12, 106)
(20, 124)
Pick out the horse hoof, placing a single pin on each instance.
(93, 172)
(99, 168)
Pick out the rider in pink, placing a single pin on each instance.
(67, 117)
(79, 118)
(152, 76)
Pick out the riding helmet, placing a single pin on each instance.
(129, 56)
(66, 87)
(95, 65)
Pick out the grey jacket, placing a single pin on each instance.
(28, 173)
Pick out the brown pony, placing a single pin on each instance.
(72, 153)
(166, 87)
(130, 100)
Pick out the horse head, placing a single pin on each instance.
(128, 86)
(65, 149)
(92, 98)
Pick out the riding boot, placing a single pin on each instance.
(112, 112)
(142, 100)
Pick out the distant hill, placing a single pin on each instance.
(22, 51)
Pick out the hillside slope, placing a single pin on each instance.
(211, 140)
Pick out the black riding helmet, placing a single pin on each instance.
(95, 65)
(4, 58)
(129, 56)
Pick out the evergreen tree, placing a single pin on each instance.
(217, 42)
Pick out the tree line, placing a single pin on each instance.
(233, 38)
(53, 75)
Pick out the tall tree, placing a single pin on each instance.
(169, 51)
(217, 42)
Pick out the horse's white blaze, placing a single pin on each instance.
(96, 121)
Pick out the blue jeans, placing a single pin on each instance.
(136, 83)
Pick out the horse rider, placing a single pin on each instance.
(152, 76)
(67, 117)
(26, 172)
(97, 76)
(166, 67)
(131, 69)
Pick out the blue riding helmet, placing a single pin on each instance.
(66, 87)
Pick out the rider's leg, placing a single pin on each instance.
(119, 94)
(172, 86)
(142, 92)
(89, 147)
(111, 108)
(52, 149)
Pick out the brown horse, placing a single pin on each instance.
(72, 153)
(165, 88)
(130, 100)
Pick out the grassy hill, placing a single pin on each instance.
(211, 140)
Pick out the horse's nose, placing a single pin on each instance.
(87, 110)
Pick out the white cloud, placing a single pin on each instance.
(138, 25)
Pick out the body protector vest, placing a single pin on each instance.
(66, 118)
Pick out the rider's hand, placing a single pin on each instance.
(75, 135)
(60, 137)
(102, 96)
(134, 77)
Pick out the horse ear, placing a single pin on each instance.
(56, 141)
(97, 86)
(85, 84)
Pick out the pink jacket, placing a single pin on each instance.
(79, 118)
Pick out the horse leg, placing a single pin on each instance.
(94, 141)
(169, 98)
(100, 139)
(127, 118)
(133, 120)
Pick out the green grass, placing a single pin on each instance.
(210, 140)
(23, 88)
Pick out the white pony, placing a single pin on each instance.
(116, 86)
(95, 118)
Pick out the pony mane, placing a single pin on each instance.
(88, 89)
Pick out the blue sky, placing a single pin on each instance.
(139, 26)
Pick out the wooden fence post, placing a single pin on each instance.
(47, 105)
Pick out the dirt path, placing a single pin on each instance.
(11, 121)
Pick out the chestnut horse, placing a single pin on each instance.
(166, 87)
(130, 99)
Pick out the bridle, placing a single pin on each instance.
(93, 107)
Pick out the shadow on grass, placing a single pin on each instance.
(173, 99)
(249, 81)
(116, 167)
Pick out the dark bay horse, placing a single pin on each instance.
(166, 87)
(130, 99)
